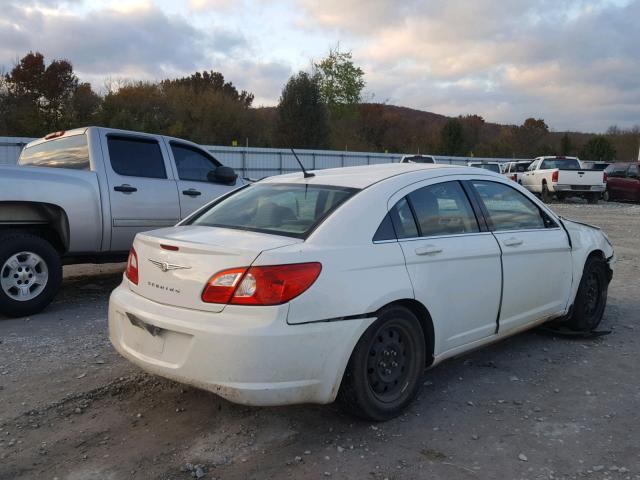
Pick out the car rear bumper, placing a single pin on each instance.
(248, 355)
(579, 188)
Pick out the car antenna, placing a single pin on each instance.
(306, 174)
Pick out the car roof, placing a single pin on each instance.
(366, 175)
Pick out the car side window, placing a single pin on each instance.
(633, 171)
(533, 166)
(616, 171)
(191, 163)
(403, 220)
(443, 209)
(509, 209)
(136, 157)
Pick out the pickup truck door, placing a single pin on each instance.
(142, 190)
(192, 165)
(527, 178)
(536, 255)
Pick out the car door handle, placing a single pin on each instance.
(125, 188)
(513, 242)
(191, 192)
(428, 250)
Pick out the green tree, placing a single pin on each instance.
(341, 82)
(598, 148)
(565, 145)
(452, 138)
(302, 114)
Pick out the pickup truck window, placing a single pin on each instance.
(561, 163)
(533, 165)
(65, 152)
(136, 157)
(509, 209)
(191, 163)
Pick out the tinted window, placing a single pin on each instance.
(403, 220)
(443, 209)
(509, 209)
(191, 163)
(65, 152)
(133, 157)
(282, 209)
(385, 230)
(561, 163)
(614, 171)
(418, 159)
(521, 167)
(633, 171)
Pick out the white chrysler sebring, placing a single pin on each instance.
(349, 283)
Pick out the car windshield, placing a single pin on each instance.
(561, 164)
(292, 210)
(494, 167)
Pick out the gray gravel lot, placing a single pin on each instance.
(535, 406)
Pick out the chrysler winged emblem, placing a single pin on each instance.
(165, 267)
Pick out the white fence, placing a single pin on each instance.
(264, 162)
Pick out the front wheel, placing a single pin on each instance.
(385, 368)
(591, 298)
(30, 274)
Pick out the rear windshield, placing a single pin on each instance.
(418, 159)
(561, 164)
(291, 210)
(521, 167)
(65, 152)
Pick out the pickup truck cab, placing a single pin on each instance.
(491, 166)
(515, 170)
(81, 196)
(563, 176)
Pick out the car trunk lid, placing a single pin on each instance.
(175, 264)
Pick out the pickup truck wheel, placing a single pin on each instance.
(385, 368)
(591, 298)
(593, 198)
(547, 196)
(30, 274)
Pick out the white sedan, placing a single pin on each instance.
(349, 283)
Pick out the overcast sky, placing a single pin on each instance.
(574, 63)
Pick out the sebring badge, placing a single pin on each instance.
(165, 267)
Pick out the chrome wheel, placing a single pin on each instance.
(24, 276)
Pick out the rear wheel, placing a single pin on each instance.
(606, 196)
(591, 298)
(385, 368)
(546, 195)
(30, 274)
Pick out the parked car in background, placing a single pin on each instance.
(563, 176)
(514, 170)
(601, 166)
(623, 182)
(349, 283)
(418, 159)
(491, 166)
(81, 196)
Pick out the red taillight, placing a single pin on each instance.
(132, 266)
(54, 135)
(172, 248)
(272, 285)
(554, 176)
(605, 177)
(514, 177)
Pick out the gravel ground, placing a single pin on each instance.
(534, 406)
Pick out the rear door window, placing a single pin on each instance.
(136, 157)
(633, 171)
(66, 152)
(191, 163)
(443, 209)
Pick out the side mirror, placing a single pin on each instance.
(222, 174)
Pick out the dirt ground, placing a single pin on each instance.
(535, 406)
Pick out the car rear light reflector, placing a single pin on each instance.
(554, 176)
(605, 177)
(132, 266)
(54, 135)
(173, 248)
(264, 285)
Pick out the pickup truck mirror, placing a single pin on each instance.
(222, 174)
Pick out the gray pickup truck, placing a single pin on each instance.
(81, 196)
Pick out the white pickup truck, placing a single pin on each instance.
(81, 196)
(564, 177)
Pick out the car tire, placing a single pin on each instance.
(593, 198)
(385, 369)
(30, 274)
(606, 196)
(591, 299)
(546, 195)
